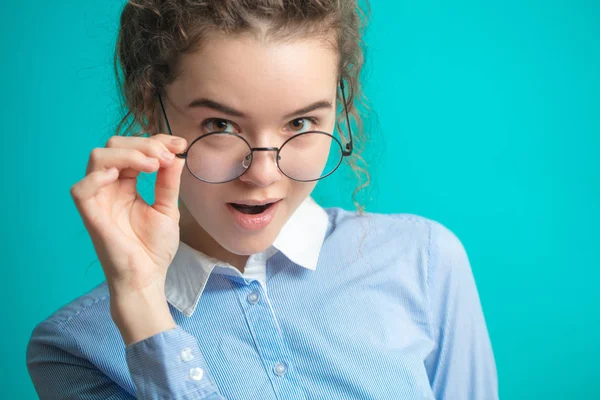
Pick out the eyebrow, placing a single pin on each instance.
(312, 107)
(235, 113)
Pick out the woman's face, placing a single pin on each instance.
(257, 89)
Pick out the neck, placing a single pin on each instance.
(192, 234)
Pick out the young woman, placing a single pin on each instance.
(235, 284)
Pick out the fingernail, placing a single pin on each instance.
(167, 155)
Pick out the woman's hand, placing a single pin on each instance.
(135, 242)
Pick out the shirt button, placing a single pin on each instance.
(253, 297)
(186, 354)
(280, 369)
(196, 374)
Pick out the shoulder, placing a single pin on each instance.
(435, 245)
(342, 220)
(419, 229)
(82, 305)
(78, 317)
(80, 343)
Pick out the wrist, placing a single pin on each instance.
(140, 314)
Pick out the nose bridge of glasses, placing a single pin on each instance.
(265, 150)
(261, 169)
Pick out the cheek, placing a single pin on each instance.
(299, 191)
(199, 196)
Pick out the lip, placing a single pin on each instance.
(256, 222)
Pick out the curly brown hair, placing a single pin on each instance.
(153, 34)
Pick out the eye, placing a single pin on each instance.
(304, 124)
(218, 125)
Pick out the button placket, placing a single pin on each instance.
(268, 336)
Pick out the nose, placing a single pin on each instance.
(263, 170)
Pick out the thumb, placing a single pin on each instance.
(166, 191)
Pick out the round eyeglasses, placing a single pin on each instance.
(220, 157)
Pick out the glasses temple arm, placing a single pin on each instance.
(162, 107)
(349, 146)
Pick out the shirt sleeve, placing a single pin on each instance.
(462, 365)
(169, 365)
(59, 370)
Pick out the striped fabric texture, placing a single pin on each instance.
(391, 311)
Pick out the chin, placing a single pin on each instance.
(246, 245)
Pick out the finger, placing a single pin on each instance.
(153, 146)
(160, 146)
(166, 191)
(87, 188)
(102, 158)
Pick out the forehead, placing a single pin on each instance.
(244, 70)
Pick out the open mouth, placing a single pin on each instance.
(251, 210)
(253, 217)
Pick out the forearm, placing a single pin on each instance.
(140, 314)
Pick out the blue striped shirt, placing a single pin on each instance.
(358, 307)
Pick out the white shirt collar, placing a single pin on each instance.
(300, 240)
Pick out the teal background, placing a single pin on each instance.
(487, 120)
